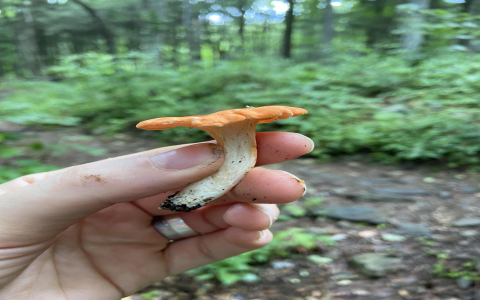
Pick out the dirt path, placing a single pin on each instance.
(416, 209)
(404, 215)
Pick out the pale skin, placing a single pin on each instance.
(85, 232)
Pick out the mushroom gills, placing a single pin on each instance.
(240, 149)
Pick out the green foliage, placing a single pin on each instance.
(67, 144)
(20, 157)
(12, 151)
(300, 209)
(240, 268)
(7, 151)
(358, 103)
(295, 210)
(443, 268)
(21, 167)
(150, 295)
(445, 26)
(312, 202)
(425, 241)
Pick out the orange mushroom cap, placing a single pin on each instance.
(264, 114)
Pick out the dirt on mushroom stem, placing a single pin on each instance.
(239, 146)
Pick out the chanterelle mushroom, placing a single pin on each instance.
(234, 130)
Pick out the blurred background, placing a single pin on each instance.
(392, 89)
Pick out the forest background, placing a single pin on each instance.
(387, 81)
(398, 80)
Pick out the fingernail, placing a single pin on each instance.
(262, 234)
(187, 157)
(268, 211)
(312, 146)
(302, 182)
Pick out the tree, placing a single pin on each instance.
(287, 35)
(37, 33)
(104, 29)
(28, 43)
(329, 19)
(413, 20)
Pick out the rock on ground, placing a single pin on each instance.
(375, 264)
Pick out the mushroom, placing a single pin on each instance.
(234, 130)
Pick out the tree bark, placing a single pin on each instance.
(328, 30)
(413, 19)
(28, 44)
(105, 30)
(287, 36)
(470, 7)
(474, 7)
(154, 41)
(467, 6)
(136, 28)
(379, 25)
(241, 22)
(187, 23)
(196, 41)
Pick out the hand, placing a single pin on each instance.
(85, 232)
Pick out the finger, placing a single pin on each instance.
(273, 147)
(24, 181)
(268, 142)
(205, 249)
(45, 208)
(31, 178)
(246, 216)
(267, 186)
(276, 147)
(260, 185)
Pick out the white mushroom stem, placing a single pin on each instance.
(240, 149)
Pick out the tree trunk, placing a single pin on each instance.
(287, 36)
(471, 7)
(379, 25)
(28, 44)
(196, 34)
(265, 35)
(241, 22)
(328, 30)
(2, 68)
(105, 31)
(413, 19)
(153, 42)
(135, 33)
(17, 63)
(474, 7)
(467, 6)
(187, 23)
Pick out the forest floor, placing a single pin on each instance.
(406, 221)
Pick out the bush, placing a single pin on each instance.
(358, 103)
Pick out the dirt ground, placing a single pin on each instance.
(429, 197)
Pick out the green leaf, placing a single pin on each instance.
(319, 259)
(9, 152)
(205, 277)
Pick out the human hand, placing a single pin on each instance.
(85, 232)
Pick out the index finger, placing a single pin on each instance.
(273, 147)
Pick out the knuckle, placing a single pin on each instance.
(205, 250)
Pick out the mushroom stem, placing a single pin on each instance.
(240, 149)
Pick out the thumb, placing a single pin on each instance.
(41, 210)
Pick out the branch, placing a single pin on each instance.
(104, 29)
